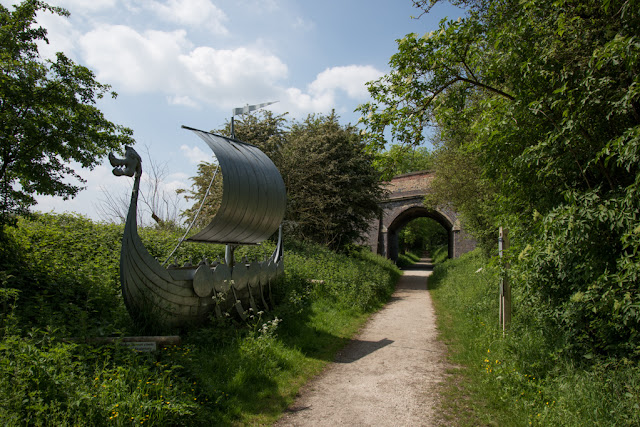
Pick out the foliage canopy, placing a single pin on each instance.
(332, 185)
(400, 159)
(423, 234)
(48, 114)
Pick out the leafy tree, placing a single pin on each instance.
(422, 234)
(458, 183)
(264, 129)
(400, 159)
(540, 102)
(333, 189)
(47, 113)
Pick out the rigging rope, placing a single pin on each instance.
(195, 217)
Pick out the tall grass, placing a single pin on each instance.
(521, 378)
(439, 254)
(59, 277)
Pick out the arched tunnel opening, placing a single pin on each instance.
(395, 230)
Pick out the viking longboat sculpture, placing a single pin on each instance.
(251, 210)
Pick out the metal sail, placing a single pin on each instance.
(253, 197)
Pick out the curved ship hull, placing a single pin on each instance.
(182, 296)
(175, 297)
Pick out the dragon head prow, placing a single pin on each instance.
(128, 166)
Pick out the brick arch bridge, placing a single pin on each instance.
(405, 203)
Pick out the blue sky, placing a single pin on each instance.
(175, 62)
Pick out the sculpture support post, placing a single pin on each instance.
(228, 255)
(233, 130)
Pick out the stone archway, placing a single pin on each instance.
(404, 204)
(405, 217)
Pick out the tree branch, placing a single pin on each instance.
(438, 92)
(466, 67)
(487, 87)
(466, 80)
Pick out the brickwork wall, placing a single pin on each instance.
(411, 183)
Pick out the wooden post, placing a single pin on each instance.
(504, 317)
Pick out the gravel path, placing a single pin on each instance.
(387, 375)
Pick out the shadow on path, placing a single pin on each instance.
(424, 264)
(357, 349)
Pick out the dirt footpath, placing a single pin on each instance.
(387, 375)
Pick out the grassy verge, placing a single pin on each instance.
(519, 379)
(406, 259)
(59, 278)
(439, 254)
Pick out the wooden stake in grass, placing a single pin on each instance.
(504, 315)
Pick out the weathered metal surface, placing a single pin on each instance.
(181, 296)
(203, 281)
(254, 196)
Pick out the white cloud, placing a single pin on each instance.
(185, 101)
(195, 154)
(232, 74)
(188, 75)
(60, 33)
(321, 95)
(195, 13)
(351, 79)
(135, 62)
(305, 103)
(166, 62)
